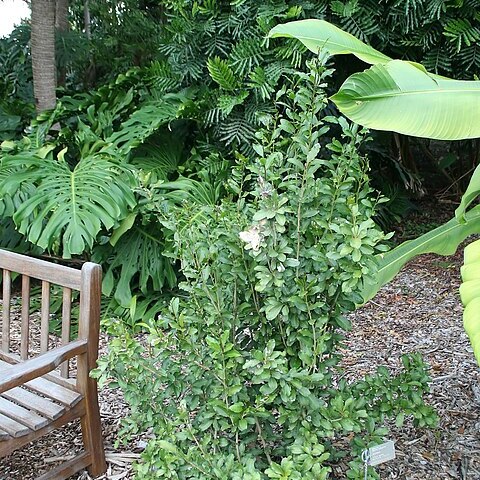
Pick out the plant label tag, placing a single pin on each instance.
(380, 454)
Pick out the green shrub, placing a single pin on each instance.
(240, 377)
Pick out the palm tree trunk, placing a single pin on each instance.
(86, 19)
(61, 26)
(61, 16)
(43, 54)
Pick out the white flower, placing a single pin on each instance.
(252, 238)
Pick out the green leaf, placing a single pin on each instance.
(144, 121)
(169, 447)
(221, 73)
(68, 206)
(273, 310)
(471, 193)
(443, 240)
(242, 425)
(470, 295)
(125, 225)
(400, 97)
(400, 419)
(138, 257)
(319, 35)
(237, 407)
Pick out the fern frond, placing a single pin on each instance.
(426, 37)
(435, 9)
(408, 14)
(235, 129)
(470, 57)
(238, 24)
(162, 78)
(344, 9)
(213, 116)
(254, 111)
(217, 45)
(362, 27)
(226, 103)
(246, 55)
(260, 83)
(221, 73)
(461, 31)
(275, 70)
(291, 50)
(438, 60)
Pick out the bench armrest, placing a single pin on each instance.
(20, 373)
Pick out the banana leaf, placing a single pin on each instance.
(319, 35)
(471, 193)
(470, 295)
(393, 95)
(443, 240)
(400, 97)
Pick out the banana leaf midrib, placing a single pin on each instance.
(373, 52)
(404, 93)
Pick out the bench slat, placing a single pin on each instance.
(21, 415)
(36, 395)
(56, 392)
(68, 468)
(66, 325)
(12, 427)
(34, 402)
(7, 290)
(50, 389)
(25, 315)
(16, 375)
(40, 269)
(45, 316)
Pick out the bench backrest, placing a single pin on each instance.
(86, 281)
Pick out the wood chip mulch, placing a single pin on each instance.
(419, 311)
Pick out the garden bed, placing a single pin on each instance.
(419, 311)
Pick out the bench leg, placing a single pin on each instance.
(92, 431)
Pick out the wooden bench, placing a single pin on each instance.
(38, 388)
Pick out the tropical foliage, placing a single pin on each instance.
(241, 375)
(16, 90)
(232, 210)
(442, 35)
(397, 81)
(67, 191)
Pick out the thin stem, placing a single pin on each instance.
(262, 440)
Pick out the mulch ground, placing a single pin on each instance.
(418, 312)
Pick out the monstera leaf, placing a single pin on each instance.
(145, 121)
(138, 258)
(67, 208)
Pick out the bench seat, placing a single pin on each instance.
(33, 406)
(44, 380)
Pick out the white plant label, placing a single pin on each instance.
(379, 454)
